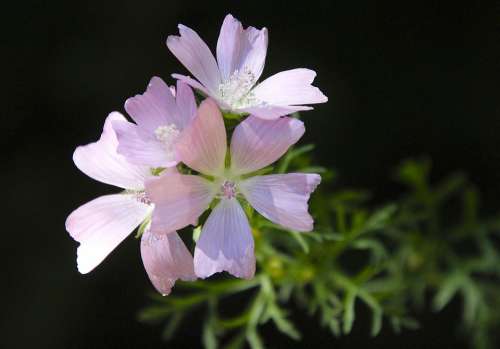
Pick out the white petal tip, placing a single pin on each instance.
(323, 98)
(83, 269)
(313, 181)
(171, 39)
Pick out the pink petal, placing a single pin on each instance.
(191, 82)
(141, 147)
(253, 51)
(202, 146)
(282, 198)
(155, 107)
(102, 224)
(101, 161)
(179, 200)
(226, 243)
(166, 259)
(238, 49)
(195, 55)
(290, 88)
(228, 46)
(186, 104)
(257, 143)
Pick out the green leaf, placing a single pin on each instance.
(334, 326)
(282, 323)
(379, 218)
(237, 341)
(172, 325)
(398, 323)
(413, 172)
(235, 322)
(291, 155)
(410, 323)
(209, 337)
(154, 313)
(254, 339)
(473, 300)
(377, 248)
(449, 187)
(348, 319)
(314, 169)
(376, 309)
(256, 310)
(285, 292)
(447, 290)
(350, 197)
(300, 240)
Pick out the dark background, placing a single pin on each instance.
(403, 80)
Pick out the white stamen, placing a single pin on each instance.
(142, 197)
(236, 91)
(167, 134)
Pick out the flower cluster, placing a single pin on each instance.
(174, 162)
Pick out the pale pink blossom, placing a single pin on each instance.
(231, 80)
(161, 113)
(103, 223)
(226, 242)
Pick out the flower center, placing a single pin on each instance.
(236, 91)
(141, 197)
(228, 189)
(167, 135)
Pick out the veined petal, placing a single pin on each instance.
(282, 198)
(226, 243)
(101, 161)
(179, 200)
(253, 51)
(257, 143)
(239, 49)
(155, 107)
(202, 146)
(186, 104)
(195, 55)
(228, 46)
(140, 147)
(289, 88)
(102, 224)
(192, 82)
(166, 259)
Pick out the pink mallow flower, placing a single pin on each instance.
(103, 223)
(226, 243)
(161, 113)
(232, 79)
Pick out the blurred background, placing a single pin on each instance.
(403, 80)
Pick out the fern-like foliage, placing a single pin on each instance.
(432, 241)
